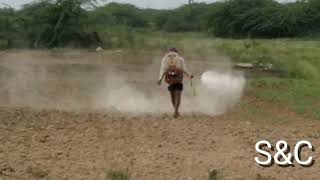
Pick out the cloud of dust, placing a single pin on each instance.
(76, 85)
(219, 91)
(216, 92)
(120, 95)
(213, 93)
(23, 83)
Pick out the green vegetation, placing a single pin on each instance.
(298, 86)
(266, 18)
(61, 23)
(300, 96)
(295, 58)
(43, 24)
(213, 175)
(117, 175)
(37, 172)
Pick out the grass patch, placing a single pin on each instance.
(117, 175)
(295, 58)
(37, 172)
(214, 175)
(301, 96)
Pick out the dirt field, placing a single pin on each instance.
(54, 125)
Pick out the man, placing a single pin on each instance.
(173, 68)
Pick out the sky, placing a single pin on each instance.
(156, 4)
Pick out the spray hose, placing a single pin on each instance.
(193, 87)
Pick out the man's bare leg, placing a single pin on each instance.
(177, 103)
(172, 94)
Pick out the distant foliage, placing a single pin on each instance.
(186, 18)
(265, 18)
(60, 23)
(118, 14)
(54, 23)
(45, 23)
(7, 27)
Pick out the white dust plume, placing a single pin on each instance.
(219, 91)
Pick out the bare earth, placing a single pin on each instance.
(51, 127)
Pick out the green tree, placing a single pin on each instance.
(8, 27)
(55, 23)
(124, 14)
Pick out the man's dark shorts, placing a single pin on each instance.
(176, 87)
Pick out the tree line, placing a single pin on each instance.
(58, 23)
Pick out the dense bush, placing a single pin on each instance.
(44, 23)
(265, 18)
(7, 27)
(55, 24)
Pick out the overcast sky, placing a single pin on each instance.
(157, 4)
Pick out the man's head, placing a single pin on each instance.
(173, 50)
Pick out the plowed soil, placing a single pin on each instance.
(51, 127)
